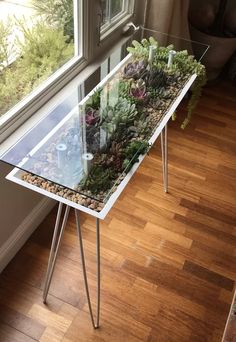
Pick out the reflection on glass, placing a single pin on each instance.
(111, 8)
(116, 7)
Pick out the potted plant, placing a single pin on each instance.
(213, 22)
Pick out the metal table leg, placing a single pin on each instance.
(164, 152)
(95, 325)
(56, 241)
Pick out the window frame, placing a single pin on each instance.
(119, 18)
(93, 44)
(21, 111)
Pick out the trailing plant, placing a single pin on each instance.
(196, 94)
(189, 66)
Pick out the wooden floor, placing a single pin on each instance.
(168, 260)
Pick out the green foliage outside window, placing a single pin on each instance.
(43, 50)
(5, 47)
(58, 13)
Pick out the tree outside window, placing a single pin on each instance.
(33, 47)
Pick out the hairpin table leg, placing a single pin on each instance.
(95, 325)
(56, 241)
(164, 152)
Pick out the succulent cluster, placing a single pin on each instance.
(183, 67)
(134, 149)
(98, 179)
(121, 117)
(118, 117)
(136, 102)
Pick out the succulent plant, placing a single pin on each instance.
(116, 155)
(138, 90)
(135, 69)
(100, 178)
(120, 116)
(141, 50)
(93, 138)
(139, 129)
(91, 116)
(94, 100)
(154, 103)
(155, 78)
(133, 151)
(124, 87)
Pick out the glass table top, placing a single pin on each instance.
(90, 141)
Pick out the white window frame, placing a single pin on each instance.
(119, 18)
(95, 41)
(32, 102)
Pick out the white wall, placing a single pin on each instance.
(21, 211)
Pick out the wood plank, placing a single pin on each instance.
(29, 327)
(167, 260)
(210, 276)
(9, 334)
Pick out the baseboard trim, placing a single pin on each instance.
(24, 230)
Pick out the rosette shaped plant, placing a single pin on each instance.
(118, 117)
(155, 78)
(138, 90)
(91, 116)
(135, 69)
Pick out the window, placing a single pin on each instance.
(113, 11)
(111, 8)
(40, 43)
(46, 43)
